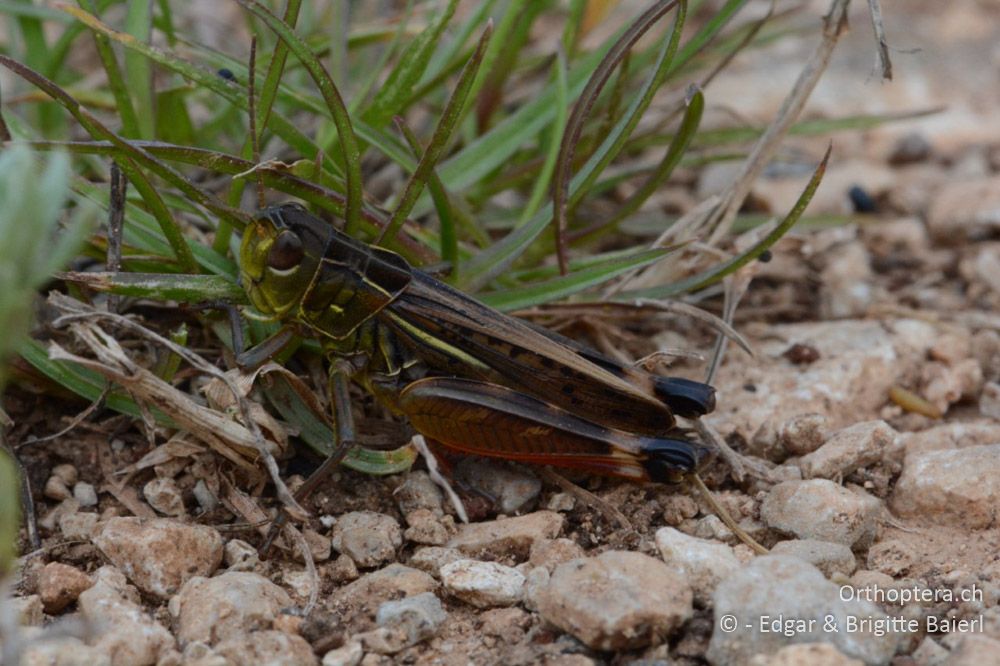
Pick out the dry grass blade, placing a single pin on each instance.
(882, 44)
(226, 436)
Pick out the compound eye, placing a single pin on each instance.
(286, 252)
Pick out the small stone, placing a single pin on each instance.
(392, 582)
(129, 633)
(418, 617)
(367, 537)
(510, 537)
(483, 584)
(78, 525)
(550, 553)
(341, 570)
(845, 283)
(561, 502)
(226, 606)
(814, 654)
(953, 487)
(432, 558)
(857, 446)
(85, 494)
(704, 563)
(59, 585)
(51, 520)
(514, 490)
(965, 209)
(618, 600)
(300, 582)
(821, 509)
(803, 433)
(828, 557)
(241, 556)
(989, 400)
(319, 545)
(909, 148)
(164, 496)
(274, 648)
(63, 651)
(425, 528)
(347, 655)
(56, 489)
(418, 491)
(204, 496)
(973, 650)
(930, 653)
(535, 584)
(159, 555)
(67, 473)
(27, 610)
(383, 640)
(781, 589)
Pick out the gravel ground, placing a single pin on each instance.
(883, 523)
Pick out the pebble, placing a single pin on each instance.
(779, 587)
(550, 553)
(989, 401)
(803, 433)
(418, 617)
(240, 556)
(974, 650)
(129, 635)
(78, 525)
(163, 494)
(483, 584)
(619, 600)
(909, 148)
(846, 282)
(426, 528)
(159, 555)
(821, 509)
(56, 489)
(206, 499)
(852, 448)
(418, 491)
(392, 582)
(319, 546)
(954, 487)
(274, 648)
(85, 494)
(509, 537)
(367, 537)
(62, 651)
(27, 610)
(228, 605)
(349, 654)
(432, 558)
(965, 209)
(59, 585)
(828, 557)
(704, 563)
(514, 490)
(814, 654)
(67, 473)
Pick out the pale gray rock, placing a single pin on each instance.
(391, 582)
(509, 537)
(432, 558)
(128, 635)
(418, 617)
(231, 604)
(779, 600)
(513, 490)
(159, 555)
(704, 562)
(618, 600)
(164, 496)
(813, 654)
(821, 509)
(274, 648)
(483, 584)
(367, 537)
(418, 491)
(826, 556)
(960, 486)
(849, 449)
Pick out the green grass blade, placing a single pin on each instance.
(138, 68)
(335, 104)
(162, 286)
(116, 82)
(566, 285)
(439, 141)
(397, 91)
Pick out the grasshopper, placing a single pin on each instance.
(465, 375)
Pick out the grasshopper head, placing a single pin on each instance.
(279, 255)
